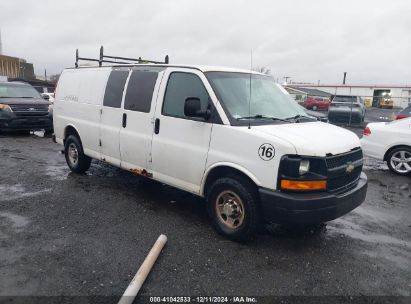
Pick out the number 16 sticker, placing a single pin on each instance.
(266, 152)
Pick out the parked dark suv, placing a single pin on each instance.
(23, 109)
(346, 109)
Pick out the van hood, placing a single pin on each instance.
(313, 138)
(23, 101)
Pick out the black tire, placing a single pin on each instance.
(82, 162)
(246, 192)
(395, 153)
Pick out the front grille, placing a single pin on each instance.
(339, 178)
(344, 181)
(343, 159)
(29, 109)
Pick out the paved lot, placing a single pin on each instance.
(67, 234)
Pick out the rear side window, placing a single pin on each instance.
(115, 88)
(345, 98)
(179, 87)
(140, 91)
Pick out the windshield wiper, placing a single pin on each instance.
(259, 116)
(299, 116)
(23, 97)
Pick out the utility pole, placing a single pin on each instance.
(345, 75)
(45, 74)
(1, 45)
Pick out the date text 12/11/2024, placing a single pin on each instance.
(203, 299)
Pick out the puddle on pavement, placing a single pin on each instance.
(12, 192)
(374, 164)
(17, 221)
(399, 257)
(355, 231)
(57, 172)
(371, 216)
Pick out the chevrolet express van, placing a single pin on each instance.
(232, 136)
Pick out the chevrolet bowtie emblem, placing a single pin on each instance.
(349, 168)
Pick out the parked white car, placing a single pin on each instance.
(196, 128)
(390, 142)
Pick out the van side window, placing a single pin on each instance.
(180, 86)
(115, 88)
(140, 91)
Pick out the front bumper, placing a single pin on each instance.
(26, 123)
(311, 208)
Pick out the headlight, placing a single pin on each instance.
(304, 166)
(5, 107)
(50, 108)
(302, 173)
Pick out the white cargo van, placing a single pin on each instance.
(233, 137)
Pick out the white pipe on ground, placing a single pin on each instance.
(141, 275)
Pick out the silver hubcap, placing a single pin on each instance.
(230, 209)
(72, 154)
(401, 161)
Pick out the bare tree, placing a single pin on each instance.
(262, 70)
(54, 78)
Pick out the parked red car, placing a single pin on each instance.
(404, 113)
(315, 103)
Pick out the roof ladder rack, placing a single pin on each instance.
(125, 60)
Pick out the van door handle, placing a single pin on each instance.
(124, 120)
(157, 126)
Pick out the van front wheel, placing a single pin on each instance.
(77, 161)
(233, 207)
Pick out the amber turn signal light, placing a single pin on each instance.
(303, 185)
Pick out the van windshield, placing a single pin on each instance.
(268, 101)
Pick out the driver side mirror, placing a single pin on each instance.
(192, 108)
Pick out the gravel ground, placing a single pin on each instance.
(73, 235)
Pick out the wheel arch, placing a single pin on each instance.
(225, 169)
(392, 148)
(71, 130)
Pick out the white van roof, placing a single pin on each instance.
(202, 68)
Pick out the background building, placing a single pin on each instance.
(301, 94)
(400, 94)
(14, 67)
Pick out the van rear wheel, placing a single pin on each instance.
(233, 207)
(77, 161)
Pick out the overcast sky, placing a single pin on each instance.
(306, 40)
